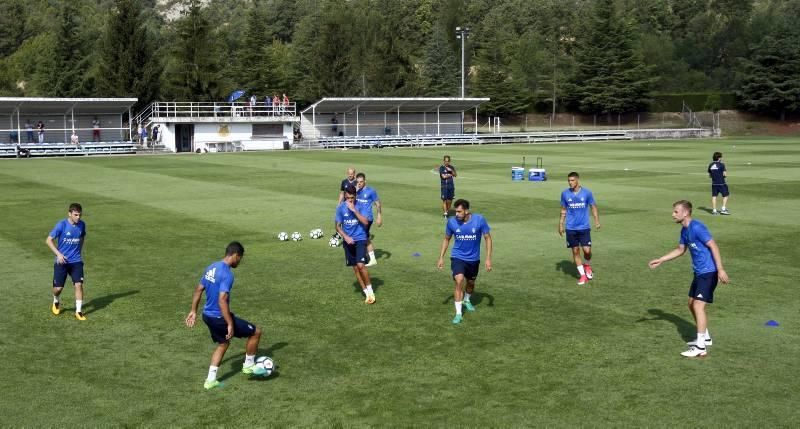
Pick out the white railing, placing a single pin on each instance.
(169, 109)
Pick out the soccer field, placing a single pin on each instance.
(539, 350)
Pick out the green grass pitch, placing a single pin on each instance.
(539, 351)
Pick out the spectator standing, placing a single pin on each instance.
(96, 129)
(268, 104)
(29, 130)
(155, 134)
(143, 135)
(285, 103)
(40, 128)
(74, 138)
(276, 104)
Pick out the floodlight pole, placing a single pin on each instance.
(462, 33)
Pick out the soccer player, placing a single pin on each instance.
(365, 198)
(217, 282)
(575, 204)
(66, 241)
(446, 173)
(351, 225)
(350, 180)
(718, 173)
(707, 266)
(465, 259)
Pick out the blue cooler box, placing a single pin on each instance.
(517, 173)
(537, 175)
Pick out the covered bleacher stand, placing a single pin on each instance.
(69, 126)
(378, 122)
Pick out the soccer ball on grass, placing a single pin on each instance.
(283, 236)
(334, 242)
(296, 236)
(266, 363)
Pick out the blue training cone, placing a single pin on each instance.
(415, 254)
(772, 323)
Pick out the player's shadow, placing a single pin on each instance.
(382, 254)
(685, 328)
(99, 303)
(706, 209)
(235, 361)
(376, 284)
(476, 299)
(568, 268)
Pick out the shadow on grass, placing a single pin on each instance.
(706, 209)
(376, 283)
(236, 360)
(568, 268)
(476, 299)
(382, 254)
(97, 304)
(685, 328)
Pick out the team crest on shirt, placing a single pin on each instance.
(713, 167)
(473, 230)
(458, 229)
(68, 233)
(582, 199)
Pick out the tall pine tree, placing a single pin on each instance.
(610, 76)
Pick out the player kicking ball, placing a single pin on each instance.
(465, 259)
(707, 266)
(222, 323)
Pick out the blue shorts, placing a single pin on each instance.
(580, 237)
(219, 329)
(448, 192)
(719, 189)
(75, 271)
(355, 253)
(703, 286)
(468, 268)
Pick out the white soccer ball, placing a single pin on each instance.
(315, 233)
(296, 236)
(266, 363)
(283, 236)
(333, 242)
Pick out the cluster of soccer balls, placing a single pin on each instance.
(315, 234)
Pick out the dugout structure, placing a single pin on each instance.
(99, 124)
(387, 121)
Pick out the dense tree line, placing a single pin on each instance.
(592, 56)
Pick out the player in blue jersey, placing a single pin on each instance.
(66, 241)
(446, 174)
(718, 173)
(707, 267)
(217, 283)
(351, 225)
(350, 180)
(465, 258)
(365, 198)
(575, 205)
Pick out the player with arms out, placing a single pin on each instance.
(66, 241)
(351, 225)
(718, 173)
(446, 173)
(465, 259)
(575, 204)
(365, 198)
(217, 283)
(708, 270)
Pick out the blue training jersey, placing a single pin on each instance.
(350, 224)
(577, 205)
(217, 278)
(716, 170)
(68, 239)
(468, 235)
(364, 200)
(695, 237)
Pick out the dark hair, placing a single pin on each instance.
(717, 156)
(361, 176)
(461, 203)
(685, 204)
(446, 158)
(234, 248)
(350, 189)
(75, 207)
(574, 174)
